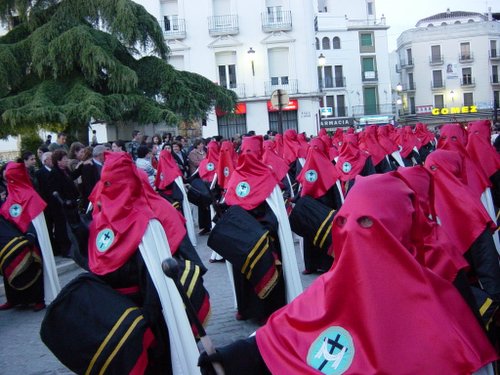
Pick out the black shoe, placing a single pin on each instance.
(204, 231)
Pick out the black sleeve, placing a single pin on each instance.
(484, 260)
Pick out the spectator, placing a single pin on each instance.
(143, 162)
(94, 138)
(134, 144)
(60, 143)
(29, 161)
(118, 145)
(180, 158)
(91, 173)
(48, 140)
(196, 155)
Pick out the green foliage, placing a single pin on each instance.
(69, 60)
(30, 142)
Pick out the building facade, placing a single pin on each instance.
(449, 68)
(257, 48)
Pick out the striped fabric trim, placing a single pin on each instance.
(10, 248)
(254, 251)
(108, 338)
(325, 228)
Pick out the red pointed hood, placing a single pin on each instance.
(167, 170)
(274, 161)
(120, 216)
(423, 134)
(374, 234)
(226, 165)
(351, 159)
(291, 146)
(23, 203)
(251, 183)
(455, 201)
(208, 166)
(318, 174)
(480, 149)
(370, 144)
(386, 140)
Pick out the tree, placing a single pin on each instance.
(66, 61)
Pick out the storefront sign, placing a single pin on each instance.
(293, 105)
(336, 122)
(454, 110)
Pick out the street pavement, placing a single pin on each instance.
(22, 351)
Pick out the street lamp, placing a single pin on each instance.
(251, 54)
(399, 87)
(321, 60)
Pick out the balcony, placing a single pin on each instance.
(332, 83)
(239, 90)
(279, 20)
(377, 109)
(438, 85)
(494, 55)
(223, 25)
(282, 83)
(407, 64)
(467, 81)
(495, 80)
(369, 76)
(436, 60)
(174, 28)
(466, 58)
(409, 87)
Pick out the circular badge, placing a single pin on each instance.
(346, 167)
(226, 171)
(15, 210)
(243, 189)
(104, 239)
(332, 352)
(210, 167)
(311, 175)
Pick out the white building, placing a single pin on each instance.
(256, 48)
(355, 77)
(449, 66)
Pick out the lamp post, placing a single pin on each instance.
(321, 64)
(251, 56)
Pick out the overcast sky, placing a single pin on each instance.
(404, 14)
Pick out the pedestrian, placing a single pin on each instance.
(143, 162)
(134, 144)
(60, 143)
(196, 155)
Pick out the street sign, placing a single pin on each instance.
(279, 98)
(326, 111)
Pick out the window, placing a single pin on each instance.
(278, 66)
(409, 57)
(439, 101)
(369, 8)
(231, 124)
(493, 48)
(171, 23)
(226, 66)
(467, 76)
(368, 67)
(341, 108)
(336, 43)
(437, 79)
(289, 119)
(366, 39)
(325, 43)
(370, 100)
(328, 76)
(227, 76)
(494, 74)
(275, 14)
(465, 51)
(436, 54)
(411, 84)
(468, 99)
(412, 105)
(339, 76)
(317, 43)
(496, 99)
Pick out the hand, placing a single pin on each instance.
(205, 362)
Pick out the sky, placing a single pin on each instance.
(404, 14)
